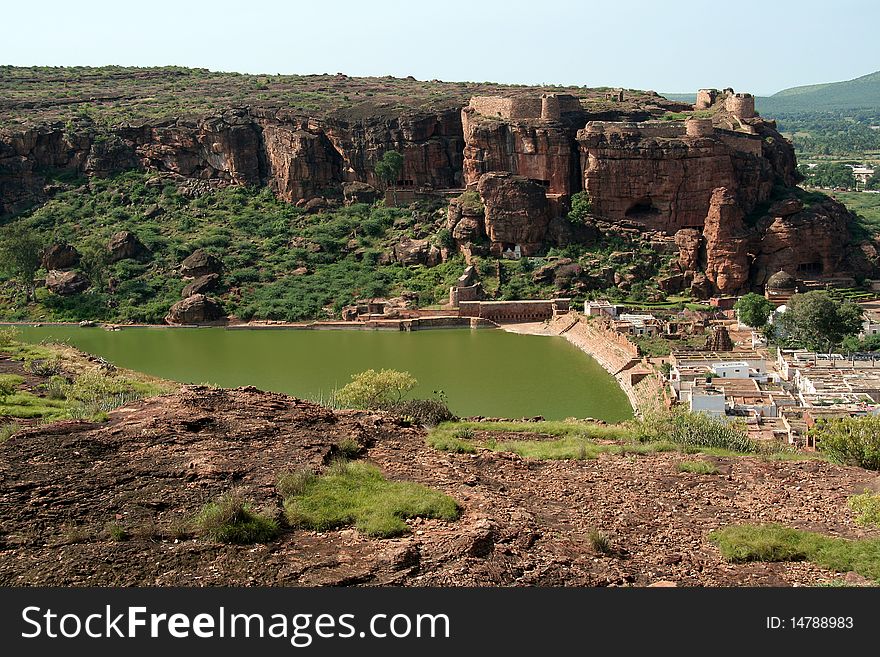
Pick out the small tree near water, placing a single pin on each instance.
(374, 390)
(21, 251)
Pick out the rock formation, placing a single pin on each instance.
(200, 263)
(197, 309)
(201, 285)
(66, 283)
(516, 214)
(60, 256)
(417, 252)
(727, 253)
(125, 245)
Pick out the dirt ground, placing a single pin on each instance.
(524, 522)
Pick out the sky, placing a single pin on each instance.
(760, 46)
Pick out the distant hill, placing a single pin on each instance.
(862, 93)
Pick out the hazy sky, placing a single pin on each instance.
(754, 45)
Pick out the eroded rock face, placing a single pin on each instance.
(60, 256)
(542, 152)
(197, 309)
(727, 242)
(813, 242)
(516, 212)
(689, 242)
(200, 263)
(125, 245)
(66, 283)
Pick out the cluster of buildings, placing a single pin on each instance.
(779, 398)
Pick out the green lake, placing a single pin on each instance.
(483, 372)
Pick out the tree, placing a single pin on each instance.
(388, 170)
(21, 251)
(581, 207)
(374, 390)
(753, 310)
(816, 321)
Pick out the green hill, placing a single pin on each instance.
(862, 93)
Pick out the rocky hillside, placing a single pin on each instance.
(112, 504)
(272, 183)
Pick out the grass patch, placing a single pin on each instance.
(358, 494)
(744, 543)
(697, 467)
(294, 483)
(229, 519)
(600, 542)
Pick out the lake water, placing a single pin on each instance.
(483, 372)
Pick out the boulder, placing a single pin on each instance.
(197, 309)
(125, 245)
(359, 192)
(202, 285)
(200, 263)
(66, 283)
(417, 252)
(688, 241)
(60, 256)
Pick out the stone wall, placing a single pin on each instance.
(706, 98)
(699, 127)
(513, 311)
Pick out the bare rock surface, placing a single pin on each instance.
(523, 522)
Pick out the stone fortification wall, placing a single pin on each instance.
(741, 141)
(507, 108)
(546, 106)
(656, 129)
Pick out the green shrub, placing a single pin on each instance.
(8, 430)
(117, 532)
(56, 387)
(427, 412)
(357, 493)
(581, 207)
(229, 519)
(43, 367)
(866, 508)
(697, 467)
(348, 448)
(849, 440)
(8, 336)
(8, 384)
(463, 433)
(374, 390)
(600, 542)
(694, 430)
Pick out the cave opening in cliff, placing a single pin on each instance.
(642, 209)
(810, 268)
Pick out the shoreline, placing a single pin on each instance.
(406, 324)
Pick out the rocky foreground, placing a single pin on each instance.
(524, 522)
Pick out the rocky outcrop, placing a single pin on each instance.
(516, 212)
(201, 285)
(359, 192)
(125, 245)
(200, 263)
(727, 244)
(417, 252)
(197, 309)
(689, 242)
(66, 283)
(814, 241)
(60, 256)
